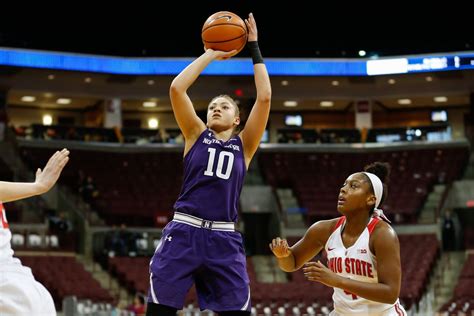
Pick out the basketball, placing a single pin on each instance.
(224, 31)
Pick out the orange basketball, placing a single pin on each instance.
(224, 31)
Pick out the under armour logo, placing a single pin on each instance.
(168, 238)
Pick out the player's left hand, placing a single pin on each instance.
(252, 28)
(318, 272)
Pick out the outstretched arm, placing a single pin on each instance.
(45, 180)
(258, 117)
(190, 124)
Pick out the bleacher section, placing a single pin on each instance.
(463, 301)
(132, 272)
(316, 177)
(50, 271)
(138, 189)
(418, 254)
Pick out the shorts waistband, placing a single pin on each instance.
(203, 223)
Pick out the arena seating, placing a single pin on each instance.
(463, 301)
(49, 271)
(141, 188)
(317, 177)
(138, 189)
(418, 254)
(132, 272)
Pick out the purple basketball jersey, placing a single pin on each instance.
(214, 172)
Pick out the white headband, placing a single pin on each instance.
(377, 185)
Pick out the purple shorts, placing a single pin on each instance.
(214, 260)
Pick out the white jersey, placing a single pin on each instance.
(357, 263)
(20, 293)
(6, 251)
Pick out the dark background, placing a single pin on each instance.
(286, 29)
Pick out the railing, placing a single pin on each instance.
(326, 148)
(442, 201)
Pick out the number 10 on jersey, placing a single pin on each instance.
(221, 171)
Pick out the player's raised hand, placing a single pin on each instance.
(252, 28)
(46, 178)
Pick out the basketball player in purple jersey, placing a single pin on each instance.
(200, 245)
